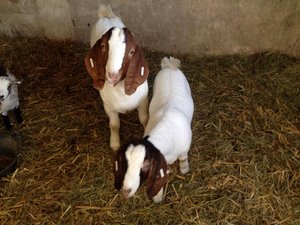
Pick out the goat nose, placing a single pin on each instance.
(113, 75)
(126, 192)
(1, 97)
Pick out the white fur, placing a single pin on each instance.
(106, 20)
(135, 157)
(169, 126)
(11, 100)
(170, 112)
(116, 54)
(114, 98)
(115, 101)
(159, 196)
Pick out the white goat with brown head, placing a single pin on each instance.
(118, 69)
(167, 136)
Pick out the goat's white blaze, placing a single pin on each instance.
(135, 156)
(116, 52)
(4, 84)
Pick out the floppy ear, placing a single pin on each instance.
(95, 62)
(157, 176)
(138, 70)
(120, 167)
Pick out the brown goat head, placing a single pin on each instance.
(154, 169)
(134, 67)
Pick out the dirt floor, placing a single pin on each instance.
(245, 154)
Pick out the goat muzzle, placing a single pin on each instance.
(126, 193)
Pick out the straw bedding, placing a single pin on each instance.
(244, 157)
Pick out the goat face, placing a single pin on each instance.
(5, 87)
(135, 156)
(116, 53)
(128, 164)
(4, 83)
(139, 163)
(115, 57)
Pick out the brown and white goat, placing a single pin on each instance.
(119, 71)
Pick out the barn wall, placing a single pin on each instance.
(200, 27)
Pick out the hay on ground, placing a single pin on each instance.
(244, 157)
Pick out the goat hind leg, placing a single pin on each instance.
(6, 122)
(18, 115)
(184, 166)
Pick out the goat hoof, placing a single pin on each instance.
(115, 147)
(184, 170)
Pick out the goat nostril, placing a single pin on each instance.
(126, 192)
(113, 75)
(1, 96)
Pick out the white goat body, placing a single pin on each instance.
(170, 112)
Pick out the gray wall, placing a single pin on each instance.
(200, 27)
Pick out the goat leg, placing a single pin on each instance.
(6, 122)
(18, 115)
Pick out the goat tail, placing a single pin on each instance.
(171, 63)
(105, 11)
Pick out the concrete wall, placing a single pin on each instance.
(200, 27)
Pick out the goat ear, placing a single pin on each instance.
(120, 167)
(94, 63)
(17, 82)
(138, 70)
(157, 176)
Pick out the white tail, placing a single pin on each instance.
(106, 11)
(171, 63)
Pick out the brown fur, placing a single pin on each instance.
(122, 165)
(99, 54)
(154, 180)
(131, 67)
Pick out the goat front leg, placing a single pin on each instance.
(143, 112)
(6, 121)
(114, 124)
(18, 115)
(184, 166)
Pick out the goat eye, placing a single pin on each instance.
(102, 46)
(131, 52)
